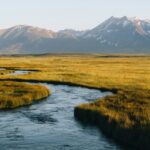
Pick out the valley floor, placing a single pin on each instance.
(125, 116)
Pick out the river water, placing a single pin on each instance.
(50, 124)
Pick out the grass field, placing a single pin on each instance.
(2, 72)
(94, 71)
(15, 94)
(126, 114)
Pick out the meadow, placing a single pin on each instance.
(15, 94)
(2, 72)
(123, 115)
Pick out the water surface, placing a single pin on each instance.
(50, 124)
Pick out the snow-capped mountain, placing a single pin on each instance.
(28, 32)
(121, 35)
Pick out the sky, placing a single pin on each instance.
(72, 14)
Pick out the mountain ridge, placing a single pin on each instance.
(114, 35)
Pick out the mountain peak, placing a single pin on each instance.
(124, 18)
(118, 18)
(27, 31)
(114, 34)
(139, 25)
(20, 27)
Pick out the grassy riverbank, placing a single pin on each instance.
(2, 72)
(124, 116)
(15, 94)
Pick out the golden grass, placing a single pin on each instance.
(89, 70)
(15, 94)
(2, 72)
(127, 108)
(124, 116)
(130, 75)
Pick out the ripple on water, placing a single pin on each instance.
(50, 124)
(40, 117)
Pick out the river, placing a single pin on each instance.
(50, 124)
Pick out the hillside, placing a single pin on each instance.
(115, 35)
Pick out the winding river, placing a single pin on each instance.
(50, 124)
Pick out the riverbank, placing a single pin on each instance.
(16, 94)
(5, 71)
(128, 109)
(42, 125)
(120, 117)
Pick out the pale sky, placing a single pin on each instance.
(72, 14)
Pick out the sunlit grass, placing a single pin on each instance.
(2, 72)
(15, 94)
(86, 70)
(130, 76)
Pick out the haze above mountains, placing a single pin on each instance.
(115, 35)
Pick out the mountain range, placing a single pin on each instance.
(115, 35)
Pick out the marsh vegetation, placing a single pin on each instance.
(15, 94)
(125, 114)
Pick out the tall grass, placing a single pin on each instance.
(123, 115)
(3, 72)
(89, 70)
(15, 94)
